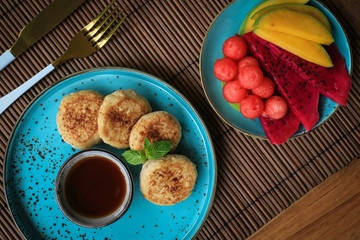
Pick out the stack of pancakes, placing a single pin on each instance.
(124, 119)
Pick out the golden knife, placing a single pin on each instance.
(46, 20)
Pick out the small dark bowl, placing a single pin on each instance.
(73, 215)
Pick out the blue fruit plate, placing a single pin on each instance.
(227, 24)
(36, 151)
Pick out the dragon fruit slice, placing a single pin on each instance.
(303, 98)
(278, 131)
(334, 83)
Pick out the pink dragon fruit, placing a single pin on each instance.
(334, 83)
(303, 98)
(278, 131)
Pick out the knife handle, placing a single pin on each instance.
(5, 59)
(9, 98)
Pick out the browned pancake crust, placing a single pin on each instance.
(118, 114)
(168, 180)
(156, 126)
(77, 118)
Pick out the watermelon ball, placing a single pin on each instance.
(276, 107)
(250, 77)
(234, 47)
(225, 69)
(252, 107)
(233, 92)
(247, 61)
(265, 90)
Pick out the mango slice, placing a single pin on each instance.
(308, 50)
(295, 23)
(247, 25)
(312, 11)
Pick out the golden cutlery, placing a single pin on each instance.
(46, 20)
(87, 41)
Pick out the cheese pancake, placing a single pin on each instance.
(156, 126)
(77, 118)
(168, 180)
(118, 114)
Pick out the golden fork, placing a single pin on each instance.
(87, 41)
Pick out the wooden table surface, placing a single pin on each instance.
(329, 211)
(256, 181)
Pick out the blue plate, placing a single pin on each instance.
(36, 151)
(227, 24)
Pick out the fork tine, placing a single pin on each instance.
(107, 37)
(98, 36)
(97, 28)
(93, 22)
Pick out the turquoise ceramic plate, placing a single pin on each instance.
(36, 152)
(227, 24)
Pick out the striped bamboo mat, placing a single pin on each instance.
(256, 180)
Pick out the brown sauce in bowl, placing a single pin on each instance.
(95, 187)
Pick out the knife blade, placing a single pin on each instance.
(46, 20)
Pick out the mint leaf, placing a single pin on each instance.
(152, 151)
(158, 149)
(147, 144)
(134, 157)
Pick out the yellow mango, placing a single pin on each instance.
(247, 25)
(312, 11)
(308, 50)
(295, 23)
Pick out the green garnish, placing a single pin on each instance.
(152, 151)
(134, 157)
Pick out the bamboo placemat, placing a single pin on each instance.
(256, 180)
